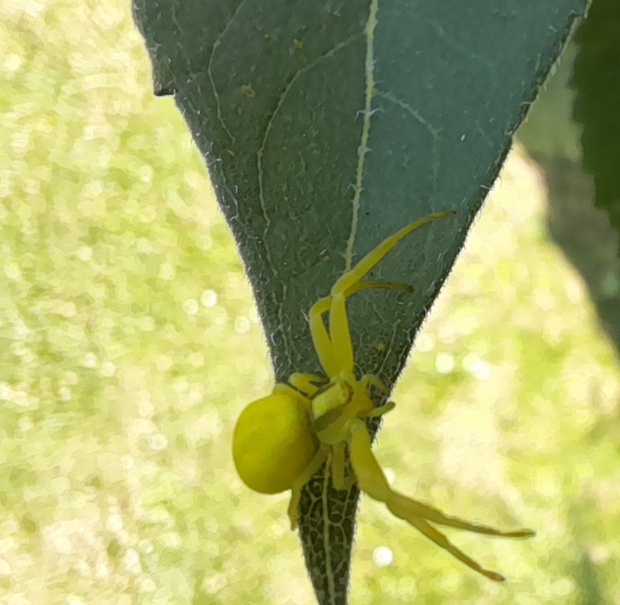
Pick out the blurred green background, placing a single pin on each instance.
(129, 344)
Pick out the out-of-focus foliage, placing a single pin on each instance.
(581, 226)
(597, 106)
(130, 344)
(549, 130)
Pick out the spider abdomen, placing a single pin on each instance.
(273, 442)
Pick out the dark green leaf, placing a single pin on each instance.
(326, 126)
(597, 107)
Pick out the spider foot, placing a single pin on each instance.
(388, 406)
(300, 481)
(422, 515)
(434, 515)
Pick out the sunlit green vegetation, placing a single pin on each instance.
(129, 344)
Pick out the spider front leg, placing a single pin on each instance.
(371, 480)
(308, 384)
(301, 480)
(334, 347)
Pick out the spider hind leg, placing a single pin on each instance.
(372, 480)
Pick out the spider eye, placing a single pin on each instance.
(273, 442)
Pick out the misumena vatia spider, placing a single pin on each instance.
(282, 440)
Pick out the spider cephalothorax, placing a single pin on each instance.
(282, 440)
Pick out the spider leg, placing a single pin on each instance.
(345, 286)
(350, 278)
(438, 538)
(386, 285)
(340, 333)
(374, 381)
(338, 463)
(350, 480)
(349, 283)
(320, 337)
(376, 412)
(371, 480)
(367, 381)
(301, 480)
(401, 506)
(334, 348)
(308, 384)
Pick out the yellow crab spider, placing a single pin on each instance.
(282, 440)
